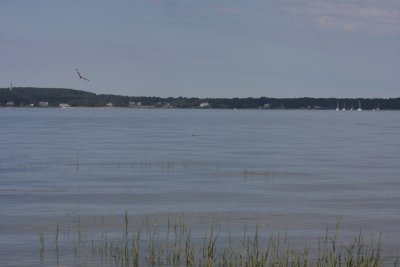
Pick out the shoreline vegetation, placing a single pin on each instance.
(177, 243)
(63, 98)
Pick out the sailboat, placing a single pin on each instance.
(337, 106)
(359, 106)
(344, 107)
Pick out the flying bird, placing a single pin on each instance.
(80, 76)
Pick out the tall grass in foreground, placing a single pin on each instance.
(173, 244)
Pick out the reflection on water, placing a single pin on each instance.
(294, 170)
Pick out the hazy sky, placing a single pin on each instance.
(204, 48)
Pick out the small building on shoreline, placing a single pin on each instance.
(204, 105)
(64, 105)
(43, 104)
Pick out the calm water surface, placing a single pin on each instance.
(295, 170)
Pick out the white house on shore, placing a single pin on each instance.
(64, 105)
(268, 105)
(43, 104)
(205, 105)
(135, 104)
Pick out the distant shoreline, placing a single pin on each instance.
(194, 108)
(28, 97)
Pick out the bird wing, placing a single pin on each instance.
(80, 76)
(77, 71)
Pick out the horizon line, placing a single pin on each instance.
(200, 97)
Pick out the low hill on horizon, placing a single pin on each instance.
(32, 96)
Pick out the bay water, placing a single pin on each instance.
(293, 171)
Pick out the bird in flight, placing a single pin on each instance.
(80, 76)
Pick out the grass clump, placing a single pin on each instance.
(174, 244)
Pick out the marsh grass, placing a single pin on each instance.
(42, 246)
(173, 244)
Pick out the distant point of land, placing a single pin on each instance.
(61, 97)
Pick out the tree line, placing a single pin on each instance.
(32, 96)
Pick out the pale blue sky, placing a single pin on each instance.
(204, 48)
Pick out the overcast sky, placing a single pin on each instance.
(204, 48)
